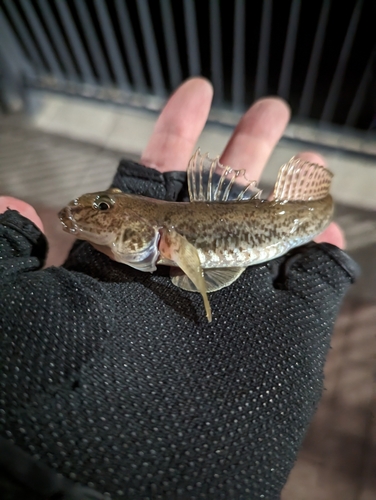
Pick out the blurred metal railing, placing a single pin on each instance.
(317, 55)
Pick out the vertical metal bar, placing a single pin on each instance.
(173, 61)
(238, 89)
(43, 41)
(261, 86)
(361, 92)
(289, 52)
(25, 36)
(56, 35)
(194, 62)
(151, 49)
(92, 42)
(130, 46)
(216, 51)
(12, 95)
(12, 50)
(111, 45)
(332, 99)
(75, 41)
(15, 67)
(311, 77)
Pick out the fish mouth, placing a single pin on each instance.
(67, 221)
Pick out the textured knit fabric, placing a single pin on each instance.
(114, 379)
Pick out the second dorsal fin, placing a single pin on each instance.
(300, 180)
(209, 180)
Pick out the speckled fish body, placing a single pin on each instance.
(225, 234)
(218, 229)
(244, 233)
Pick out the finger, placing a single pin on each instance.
(256, 135)
(312, 157)
(179, 126)
(26, 210)
(333, 233)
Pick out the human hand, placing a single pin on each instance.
(131, 389)
(265, 354)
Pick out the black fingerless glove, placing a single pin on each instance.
(136, 179)
(114, 378)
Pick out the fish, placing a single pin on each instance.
(210, 240)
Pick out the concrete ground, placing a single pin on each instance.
(71, 146)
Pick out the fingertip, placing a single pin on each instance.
(194, 86)
(179, 126)
(267, 118)
(256, 135)
(312, 157)
(199, 81)
(276, 104)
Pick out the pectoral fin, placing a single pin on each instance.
(177, 248)
(215, 278)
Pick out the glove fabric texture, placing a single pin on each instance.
(114, 385)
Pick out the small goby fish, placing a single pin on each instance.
(211, 240)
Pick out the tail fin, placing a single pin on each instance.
(300, 180)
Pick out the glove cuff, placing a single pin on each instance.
(134, 178)
(343, 259)
(25, 235)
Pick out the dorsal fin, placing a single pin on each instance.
(301, 180)
(209, 180)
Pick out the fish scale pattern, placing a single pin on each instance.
(114, 379)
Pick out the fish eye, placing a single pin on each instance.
(102, 204)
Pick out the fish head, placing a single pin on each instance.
(111, 221)
(93, 217)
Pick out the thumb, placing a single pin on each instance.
(23, 208)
